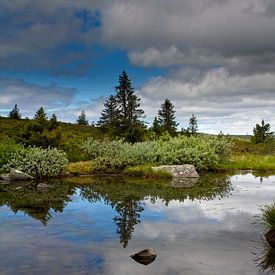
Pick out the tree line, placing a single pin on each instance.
(122, 117)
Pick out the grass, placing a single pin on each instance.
(145, 171)
(79, 168)
(268, 216)
(249, 162)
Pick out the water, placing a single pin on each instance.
(92, 225)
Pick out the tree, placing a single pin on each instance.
(128, 103)
(82, 119)
(261, 133)
(40, 131)
(193, 125)
(109, 119)
(166, 117)
(14, 113)
(156, 128)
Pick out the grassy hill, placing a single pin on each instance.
(72, 134)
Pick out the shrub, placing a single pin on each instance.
(268, 216)
(7, 148)
(38, 162)
(203, 152)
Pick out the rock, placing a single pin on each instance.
(43, 186)
(270, 237)
(145, 256)
(179, 171)
(15, 175)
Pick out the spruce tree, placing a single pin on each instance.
(261, 133)
(193, 125)
(128, 103)
(109, 118)
(166, 117)
(14, 113)
(82, 119)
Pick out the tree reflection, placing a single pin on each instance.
(125, 196)
(128, 211)
(38, 205)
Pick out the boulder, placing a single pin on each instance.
(270, 237)
(15, 175)
(145, 256)
(179, 171)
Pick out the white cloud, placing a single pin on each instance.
(221, 101)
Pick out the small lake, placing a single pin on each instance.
(89, 225)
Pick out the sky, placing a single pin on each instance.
(213, 58)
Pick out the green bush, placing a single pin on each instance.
(268, 216)
(38, 162)
(203, 152)
(7, 148)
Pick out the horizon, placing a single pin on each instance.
(216, 60)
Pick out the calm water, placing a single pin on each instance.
(91, 226)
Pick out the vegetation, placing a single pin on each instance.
(261, 133)
(249, 162)
(14, 113)
(122, 114)
(82, 119)
(38, 162)
(268, 216)
(203, 152)
(166, 118)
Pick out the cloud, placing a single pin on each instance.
(30, 97)
(221, 101)
(53, 36)
(231, 33)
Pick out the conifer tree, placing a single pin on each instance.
(109, 118)
(261, 133)
(166, 117)
(82, 119)
(193, 125)
(128, 103)
(14, 113)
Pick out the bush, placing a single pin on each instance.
(7, 148)
(203, 152)
(38, 162)
(268, 216)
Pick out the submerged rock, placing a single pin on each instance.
(43, 186)
(145, 256)
(270, 237)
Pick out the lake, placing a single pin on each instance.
(89, 225)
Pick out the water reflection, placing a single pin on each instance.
(38, 205)
(125, 196)
(204, 229)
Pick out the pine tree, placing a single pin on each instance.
(166, 117)
(110, 115)
(128, 103)
(53, 122)
(261, 133)
(14, 113)
(193, 125)
(82, 119)
(156, 127)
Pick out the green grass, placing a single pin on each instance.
(268, 216)
(79, 168)
(249, 162)
(145, 171)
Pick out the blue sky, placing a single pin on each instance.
(215, 59)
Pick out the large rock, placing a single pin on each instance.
(15, 175)
(179, 171)
(145, 256)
